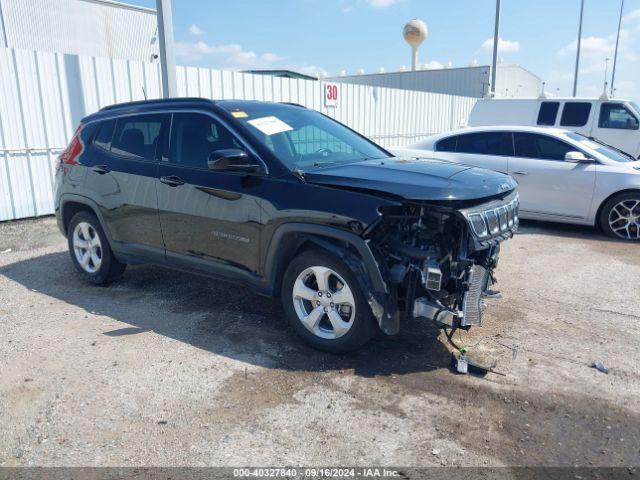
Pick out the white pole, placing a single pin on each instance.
(414, 58)
(4, 29)
(615, 55)
(496, 38)
(167, 58)
(575, 75)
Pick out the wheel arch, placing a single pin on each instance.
(292, 238)
(71, 204)
(604, 202)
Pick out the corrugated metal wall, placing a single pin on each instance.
(82, 27)
(43, 95)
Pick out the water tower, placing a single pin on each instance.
(414, 33)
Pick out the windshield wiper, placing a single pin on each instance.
(621, 152)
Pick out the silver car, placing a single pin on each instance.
(563, 176)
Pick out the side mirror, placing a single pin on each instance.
(577, 157)
(232, 160)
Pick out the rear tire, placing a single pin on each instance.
(90, 250)
(324, 303)
(620, 217)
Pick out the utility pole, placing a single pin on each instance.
(167, 58)
(615, 55)
(496, 40)
(575, 75)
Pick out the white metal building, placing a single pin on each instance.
(100, 28)
(511, 81)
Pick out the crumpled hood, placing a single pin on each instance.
(414, 179)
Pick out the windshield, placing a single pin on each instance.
(305, 139)
(635, 108)
(602, 148)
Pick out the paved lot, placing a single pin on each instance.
(165, 368)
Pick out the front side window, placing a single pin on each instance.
(575, 114)
(136, 136)
(531, 145)
(195, 136)
(616, 115)
(548, 113)
(447, 144)
(486, 143)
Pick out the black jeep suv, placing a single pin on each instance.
(289, 202)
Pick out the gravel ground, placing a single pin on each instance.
(164, 368)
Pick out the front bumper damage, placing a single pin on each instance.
(439, 262)
(469, 314)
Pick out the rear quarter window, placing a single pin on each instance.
(102, 139)
(447, 144)
(575, 114)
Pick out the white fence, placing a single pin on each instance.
(43, 96)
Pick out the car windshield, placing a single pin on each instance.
(305, 139)
(602, 148)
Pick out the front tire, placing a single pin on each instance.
(90, 250)
(324, 303)
(620, 216)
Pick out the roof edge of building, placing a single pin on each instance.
(114, 3)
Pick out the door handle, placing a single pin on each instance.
(101, 169)
(520, 172)
(172, 181)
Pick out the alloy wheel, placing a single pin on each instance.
(324, 302)
(87, 247)
(624, 219)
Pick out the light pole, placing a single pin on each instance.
(167, 58)
(575, 75)
(496, 39)
(615, 55)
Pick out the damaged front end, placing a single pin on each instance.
(438, 259)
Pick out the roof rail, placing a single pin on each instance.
(292, 103)
(162, 101)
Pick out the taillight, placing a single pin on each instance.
(73, 151)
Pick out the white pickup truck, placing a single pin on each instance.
(612, 121)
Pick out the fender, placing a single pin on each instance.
(313, 230)
(363, 265)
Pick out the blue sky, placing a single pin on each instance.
(335, 35)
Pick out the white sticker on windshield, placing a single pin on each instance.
(270, 125)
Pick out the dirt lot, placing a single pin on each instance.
(165, 368)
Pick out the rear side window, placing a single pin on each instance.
(194, 137)
(575, 114)
(486, 143)
(548, 113)
(105, 132)
(616, 115)
(447, 144)
(531, 145)
(137, 136)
